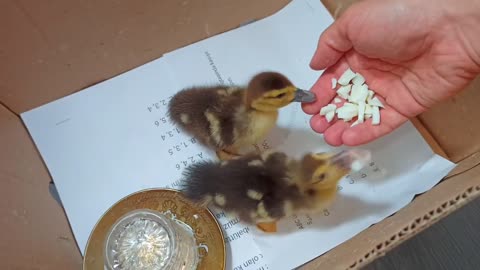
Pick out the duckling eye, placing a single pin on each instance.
(319, 179)
(311, 192)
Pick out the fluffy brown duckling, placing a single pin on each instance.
(264, 188)
(227, 119)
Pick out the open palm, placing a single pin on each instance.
(409, 54)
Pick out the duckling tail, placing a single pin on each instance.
(200, 181)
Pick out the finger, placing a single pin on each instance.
(323, 87)
(319, 123)
(332, 45)
(333, 134)
(366, 132)
(323, 91)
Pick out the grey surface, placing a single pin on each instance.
(453, 243)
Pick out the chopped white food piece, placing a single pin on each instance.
(361, 112)
(375, 115)
(346, 77)
(358, 80)
(347, 108)
(359, 93)
(355, 89)
(364, 92)
(329, 116)
(368, 109)
(343, 91)
(370, 95)
(354, 93)
(347, 112)
(349, 104)
(334, 83)
(376, 102)
(361, 101)
(356, 165)
(355, 123)
(326, 109)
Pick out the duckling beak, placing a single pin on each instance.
(304, 96)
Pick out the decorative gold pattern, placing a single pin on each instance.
(207, 230)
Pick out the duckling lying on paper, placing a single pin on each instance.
(264, 188)
(226, 119)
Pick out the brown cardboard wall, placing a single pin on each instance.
(34, 231)
(455, 123)
(51, 50)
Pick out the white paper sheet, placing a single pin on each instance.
(114, 139)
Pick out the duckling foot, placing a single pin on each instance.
(224, 155)
(267, 227)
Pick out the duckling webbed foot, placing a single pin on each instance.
(226, 155)
(267, 227)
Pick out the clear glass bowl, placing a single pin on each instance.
(146, 240)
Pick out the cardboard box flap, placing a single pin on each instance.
(34, 231)
(65, 46)
(455, 125)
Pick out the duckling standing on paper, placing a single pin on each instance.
(264, 188)
(227, 119)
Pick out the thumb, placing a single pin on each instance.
(332, 44)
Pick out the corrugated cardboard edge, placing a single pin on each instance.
(463, 185)
(420, 214)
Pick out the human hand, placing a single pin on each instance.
(412, 53)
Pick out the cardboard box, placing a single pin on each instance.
(49, 50)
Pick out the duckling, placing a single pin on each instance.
(264, 188)
(228, 118)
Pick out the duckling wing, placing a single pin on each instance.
(244, 186)
(206, 113)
